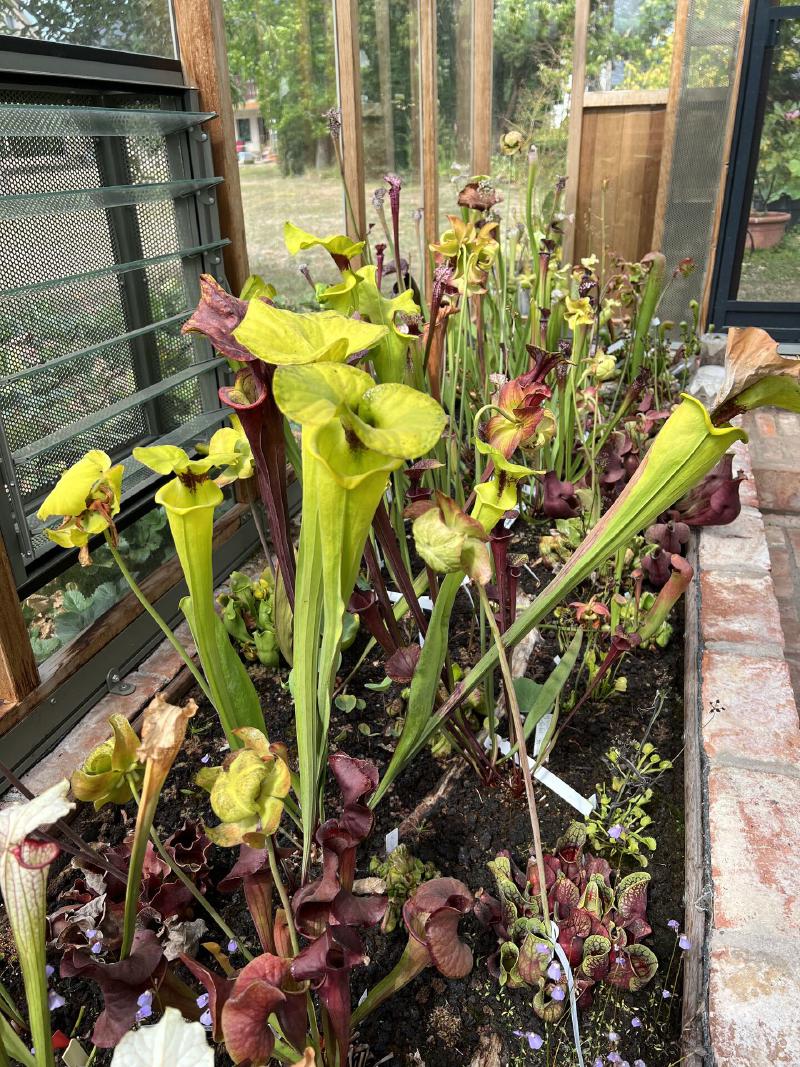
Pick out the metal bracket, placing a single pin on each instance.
(117, 686)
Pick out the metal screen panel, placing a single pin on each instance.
(103, 242)
(705, 98)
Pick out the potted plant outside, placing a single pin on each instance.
(778, 175)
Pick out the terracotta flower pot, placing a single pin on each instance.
(766, 231)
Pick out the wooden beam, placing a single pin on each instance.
(626, 98)
(671, 119)
(575, 122)
(63, 664)
(482, 54)
(18, 673)
(349, 76)
(200, 28)
(733, 101)
(429, 117)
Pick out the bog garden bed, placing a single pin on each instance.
(453, 833)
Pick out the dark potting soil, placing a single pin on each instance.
(433, 1021)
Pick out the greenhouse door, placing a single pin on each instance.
(757, 274)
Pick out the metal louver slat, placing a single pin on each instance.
(25, 205)
(41, 120)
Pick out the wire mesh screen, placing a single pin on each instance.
(98, 269)
(712, 42)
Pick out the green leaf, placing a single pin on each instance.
(286, 338)
(379, 687)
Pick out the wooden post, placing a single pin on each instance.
(671, 118)
(575, 122)
(201, 39)
(482, 54)
(349, 74)
(429, 109)
(18, 673)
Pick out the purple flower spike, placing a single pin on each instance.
(673, 924)
(554, 971)
(684, 943)
(558, 993)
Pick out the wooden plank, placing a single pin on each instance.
(384, 48)
(482, 54)
(200, 27)
(349, 76)
(695, 915)
(617, 180)
(575, 121)
(94, 638)
(671, 119)
(726, 160)
(625, 98)
(18, 673)
(429, 115)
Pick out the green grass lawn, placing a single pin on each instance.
(773, 274)
(315, 202)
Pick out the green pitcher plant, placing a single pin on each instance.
(190, 499)
(355, 433)
(690, 443)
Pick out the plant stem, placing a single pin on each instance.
(162, 625)
(516, 719)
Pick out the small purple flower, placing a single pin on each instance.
(636, 1022)
(684, 943)
(202, 1000)
(554, 971)
(205, 758)
(205, 1019)
(93, 934)
(598, 1062)
(535, 1042)
(665, 993)
(639, 1063)
(616, 832)
(542, 948)
(49, 970)
(613, 1037)
(55, 1000)
(145, 1002)
(558, 993)
(673, 924)
(233, 946)
(96, 948)
(614, 1057)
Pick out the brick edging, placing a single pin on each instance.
(743, 896)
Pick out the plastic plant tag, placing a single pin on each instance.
(542, 726)
(392, 841)
(74, 1056)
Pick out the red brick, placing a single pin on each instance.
(741, 543)
(778, 490)
(794, 537)
(760, 714)
(765, 424)
(755, 850)
(779, 558)
(774, 535)
(754, 1010)
(739, 609)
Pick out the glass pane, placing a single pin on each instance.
(454, 60)
(390, 112)
(283, 70)
(63, 608)
(531, 77)
(771, 257)
(629, 44)
(125, 25)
